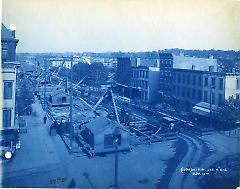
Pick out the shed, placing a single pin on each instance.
(59, 98)
(98, 133)
(203, 109)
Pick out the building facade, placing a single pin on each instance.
(124, 70)
(165, 77)
(8, 77)
(146, 79)
(193, 86)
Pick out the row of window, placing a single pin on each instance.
(197, 80)
(166, 63)
(196, 94)
(165, 73)
(187, 79)
(211, 82)
(141, 74)
(207, 98)
(185, 92)
(140, 83)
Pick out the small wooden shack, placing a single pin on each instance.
(59, 98)
(98, 134)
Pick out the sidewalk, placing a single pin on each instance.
(39, 151)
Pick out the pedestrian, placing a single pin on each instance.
(45, 119)
(72, 184)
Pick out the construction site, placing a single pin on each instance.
(74, 109)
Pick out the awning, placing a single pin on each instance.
(201, 111)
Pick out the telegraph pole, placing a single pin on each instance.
(71, 99)
(45, 85)
(210, 121)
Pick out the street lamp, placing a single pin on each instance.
(116, 142)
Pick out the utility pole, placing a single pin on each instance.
(45, 85)
(210, 121)
(116, 164)
(71, 99)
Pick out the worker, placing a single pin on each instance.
(45, 119)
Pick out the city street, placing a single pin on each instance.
(43, 161)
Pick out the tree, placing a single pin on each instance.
(24, 99)
(98, 73)
(229, 113)
(80, 71)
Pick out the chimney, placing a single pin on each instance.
(13, 33)
(211, 69)
(158, 63)
(193, 67)
(138, 62)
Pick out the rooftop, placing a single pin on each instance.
(98, 124)
(202, 64)
(7, 33)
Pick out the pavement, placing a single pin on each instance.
(39, 152)
(44, 161)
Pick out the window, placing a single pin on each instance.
(179, 78)
(213, 82)
(205, 96)
(7, 118)
(188, 92)
(8, 89)
(193, 94)
(4, 54)
(220, 83)
(238, 83)
(174, 89)
(184, 78)
(199, 80)
(64, 99)
(205, 81)
(146, 74)
(183, 91)
(194, 80)
(188, 78)
(213, 98)
(199, 95)
(174, 76)
(220, 99)
(178, 90)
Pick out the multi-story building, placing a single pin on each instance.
(165, 76)
(222, 86)
(146, 79)
(9, 69)
(124, 70)
(191, 86)
(138, 78)
(8, 127)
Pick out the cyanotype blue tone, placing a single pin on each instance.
(163, 119)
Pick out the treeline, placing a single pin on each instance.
(93, 74)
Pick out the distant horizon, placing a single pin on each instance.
(53, 52)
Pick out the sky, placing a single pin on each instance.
(123, 25)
